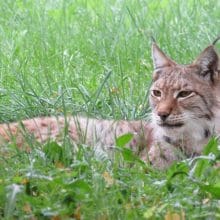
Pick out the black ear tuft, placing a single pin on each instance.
(216, 40)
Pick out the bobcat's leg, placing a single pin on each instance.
(162, 155)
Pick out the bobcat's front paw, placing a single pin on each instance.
(162, 156)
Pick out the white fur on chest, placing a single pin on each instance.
(191, 137)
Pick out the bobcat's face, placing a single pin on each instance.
(182, 97)
(179, 97)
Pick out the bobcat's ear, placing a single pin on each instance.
(208, 61)
(160, 60)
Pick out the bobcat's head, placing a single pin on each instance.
(182, 97)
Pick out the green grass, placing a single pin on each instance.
(93, 57)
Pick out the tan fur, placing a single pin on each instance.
(93, 132)
(185, 103)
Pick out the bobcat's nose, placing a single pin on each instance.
(164, 109)
(163, 115)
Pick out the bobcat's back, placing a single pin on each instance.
(93, 132)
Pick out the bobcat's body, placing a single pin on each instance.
(185, 102)
(92, 132)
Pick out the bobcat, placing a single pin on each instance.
(185, 103)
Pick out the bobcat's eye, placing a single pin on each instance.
(184, 94)
(156, 93)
